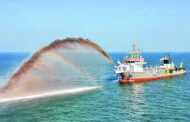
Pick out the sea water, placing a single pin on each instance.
(162, 100)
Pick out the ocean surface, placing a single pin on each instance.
(165, 100)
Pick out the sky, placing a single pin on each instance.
(155, 25)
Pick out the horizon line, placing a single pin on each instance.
(106, 51)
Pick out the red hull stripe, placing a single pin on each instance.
(133, 59)
(142, 79)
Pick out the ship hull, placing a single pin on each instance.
(126, 79)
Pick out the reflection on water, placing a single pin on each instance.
(134, 99)
(137, 99)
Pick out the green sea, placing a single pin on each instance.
(165, 100)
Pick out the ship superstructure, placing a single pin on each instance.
(132, 68)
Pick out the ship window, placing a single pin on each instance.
(166, 61)
(130, 61)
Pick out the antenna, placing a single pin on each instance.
(139, 52)
(134, 46)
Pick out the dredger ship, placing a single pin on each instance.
(133, 69)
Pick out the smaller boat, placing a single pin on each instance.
(132, 68)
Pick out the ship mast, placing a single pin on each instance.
(134, 52)
(134, 47)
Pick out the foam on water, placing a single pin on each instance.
(48, 94)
